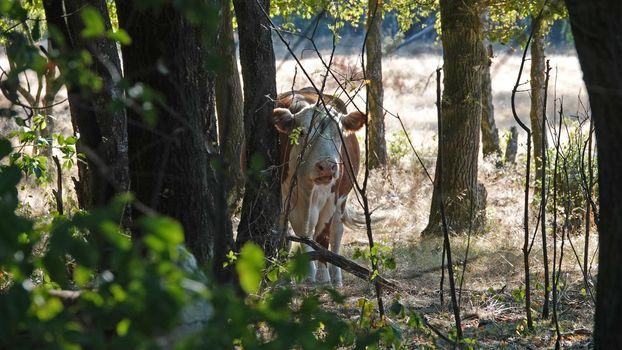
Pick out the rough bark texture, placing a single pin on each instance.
(170, 163)
(537, 95)
(463, 197)
(103, 132)
(230, 107)
(375, 93)
(597, 31)
(490, 134)
(261, 205)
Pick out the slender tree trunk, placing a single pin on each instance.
(230, 107)
(170, 159)
(490, 134)
(596, 28)
(537, 96)
(261, 205)
(464, 198)
(103, 131)
(375, 93)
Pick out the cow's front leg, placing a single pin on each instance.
(322, 236)
(335, 245)
(311, 277)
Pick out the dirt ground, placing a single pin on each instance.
(492, 309)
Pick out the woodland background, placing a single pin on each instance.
(128, 222)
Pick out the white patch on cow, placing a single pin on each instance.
(335, 240)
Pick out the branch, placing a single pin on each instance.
(357, 270)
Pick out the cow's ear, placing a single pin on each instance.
(283, 120)
(353, 121)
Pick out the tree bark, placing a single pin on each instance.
(463, 197)
(170, 159)
(103, 130)
(537, 96)
(373, 73)
(261, 205)
(596, 28)
(490, 134)
(230, 107)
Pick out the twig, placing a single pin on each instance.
(528, 166)
(447, 245)
(543, 187)
(58, 194)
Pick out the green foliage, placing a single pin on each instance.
(379, 255)
(250, 266)
(352, 12)
(508, 20)
(139, 299)
(295, 135)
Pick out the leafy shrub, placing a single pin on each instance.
(572, 176)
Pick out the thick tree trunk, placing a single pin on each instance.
(261, 206)
(103, 131)
(490, 134)
(170, 162)
(537, 95)
(464, 198)
(377, 145)
(596, 27)
(230, 107)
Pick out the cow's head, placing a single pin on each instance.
(316, 132)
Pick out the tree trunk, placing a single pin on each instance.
(596, 28)
(230, 108)
(537, 96)
(373, 73)
(463, 197)
(490, 134)
(170, 161)
(261, 205)
(103, 131)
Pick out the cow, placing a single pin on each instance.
(316, 137)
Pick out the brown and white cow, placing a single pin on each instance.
(316, 174)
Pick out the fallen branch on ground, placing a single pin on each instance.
(321, 253)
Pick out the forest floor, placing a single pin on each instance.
(492, 299)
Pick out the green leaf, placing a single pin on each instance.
(93, 23)
(249, 266)
(48, 309)
(5, 148)
(9, 178)
(71, 140)
(120, 36)
(82, 275)
(35, 33)
(166, 229)
(390, 263)
(123, 326)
